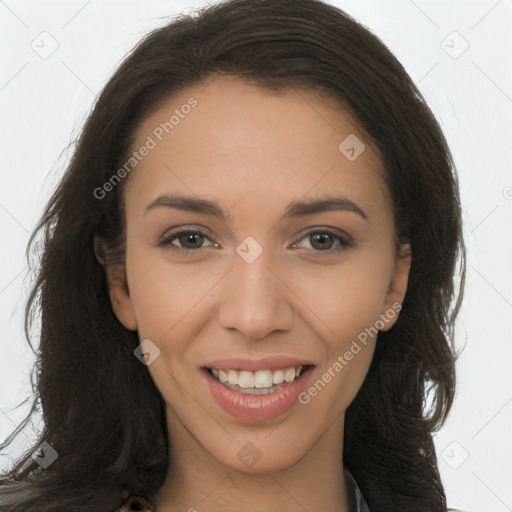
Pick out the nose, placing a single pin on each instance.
(255, 299)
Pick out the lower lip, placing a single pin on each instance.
(256, 407)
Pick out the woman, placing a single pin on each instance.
(247, 288)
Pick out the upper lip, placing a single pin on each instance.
(267, 363)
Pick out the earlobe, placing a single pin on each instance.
(120, 296)
(118, 289)
(98, 250)
(397, 287)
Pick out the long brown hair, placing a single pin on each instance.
(102, 412)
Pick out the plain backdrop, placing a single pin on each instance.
(56, 56)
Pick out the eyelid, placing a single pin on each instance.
(344, 238)
(169, 236)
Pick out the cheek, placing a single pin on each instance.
(348, 305)
(346, 298)
(341, 299)
(348, 301)
(166, 296)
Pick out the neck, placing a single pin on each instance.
(197, 481)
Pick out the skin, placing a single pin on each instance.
(255, 152)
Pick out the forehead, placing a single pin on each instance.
(229, 136)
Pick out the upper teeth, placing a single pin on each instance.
(258, 379)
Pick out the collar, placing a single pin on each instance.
(356, 500)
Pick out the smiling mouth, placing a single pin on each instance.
(260, 382)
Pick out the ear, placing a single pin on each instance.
(118, 288)
(397, 287)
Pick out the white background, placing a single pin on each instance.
(44, 102)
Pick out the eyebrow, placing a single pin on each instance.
(324, 204)
(294, 209)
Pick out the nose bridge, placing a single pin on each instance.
(255, 301)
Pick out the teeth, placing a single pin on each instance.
(263, 379)
(260, 379)
(233, 377)
(246, 379)
(289, 374)
(278, 377)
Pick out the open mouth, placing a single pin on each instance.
(261, 391)
(260, 382)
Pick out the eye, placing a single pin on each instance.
(321, 240)
(185, 240)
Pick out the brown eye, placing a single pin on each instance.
(194, 239)
(321, 241)
(325, 241)
(185, 240)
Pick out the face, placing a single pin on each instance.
(258, 249)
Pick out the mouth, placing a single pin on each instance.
(256, 391)
(260, 382)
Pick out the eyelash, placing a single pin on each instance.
(167, 239)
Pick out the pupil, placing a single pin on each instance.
(322, 238)
(191, 237)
